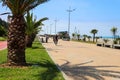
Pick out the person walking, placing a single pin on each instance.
(46, 38)
(55, 39)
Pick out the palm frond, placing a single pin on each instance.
(39, 22)
(30, 4)
(19, 7)
(35, 3)
(29, 23)
(33, 26)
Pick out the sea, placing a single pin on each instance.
(109, 37)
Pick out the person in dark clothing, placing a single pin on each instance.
(47, 39)
(55, 39)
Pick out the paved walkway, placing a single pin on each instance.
(81, 61)
(3, 45)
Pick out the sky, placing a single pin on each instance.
(89, 14)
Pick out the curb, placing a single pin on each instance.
(64, 75)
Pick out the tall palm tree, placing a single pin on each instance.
(84, 37)
(16, 32)
(78, 36)
(89, 37)
(97, 38)
(32, 28)
(2, 31)
(73, 35)
(114, 31)
(94, 31)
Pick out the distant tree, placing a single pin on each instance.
(94, 31)
(3, 28)
(89, 37)
(73, 35)
(84, 37)
(114, 31)
(97, 38)
(78, 36)
(2, 31)
(3, 23)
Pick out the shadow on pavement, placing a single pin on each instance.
(80, 72)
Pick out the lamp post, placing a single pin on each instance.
(55, 25)
(50, 28)
(69, 13)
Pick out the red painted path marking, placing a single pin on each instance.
(3, 45)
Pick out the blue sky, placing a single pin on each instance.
(89, 14)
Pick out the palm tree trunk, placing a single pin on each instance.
(33, 37)
(30, 39)
(16, 42)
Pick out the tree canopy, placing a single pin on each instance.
(19, 7)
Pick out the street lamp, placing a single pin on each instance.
(69, 12)
(55, 25)
(50, 28)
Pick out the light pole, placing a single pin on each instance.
(50, 28)
(55, 25)
(69, 12)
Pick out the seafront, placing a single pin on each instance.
(81, 61)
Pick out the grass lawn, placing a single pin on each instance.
(2, 38)
(42, 67)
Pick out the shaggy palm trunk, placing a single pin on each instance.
(33, 37)
(30, 39)
(16, 42)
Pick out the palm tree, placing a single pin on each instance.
(3, 23)
(73, 35)
(3, 28)
(32, 28)
(97, 38)
(16, 31)
(94, 31)
(84, 37)
(114, 31)
(3, 31)
(89, 38)
(78, 36)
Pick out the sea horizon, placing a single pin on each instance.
(109, 37)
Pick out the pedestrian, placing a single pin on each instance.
(55, 39)
(47, 38)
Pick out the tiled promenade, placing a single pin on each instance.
(81, 61)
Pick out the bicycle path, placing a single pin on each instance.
(3, 45)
